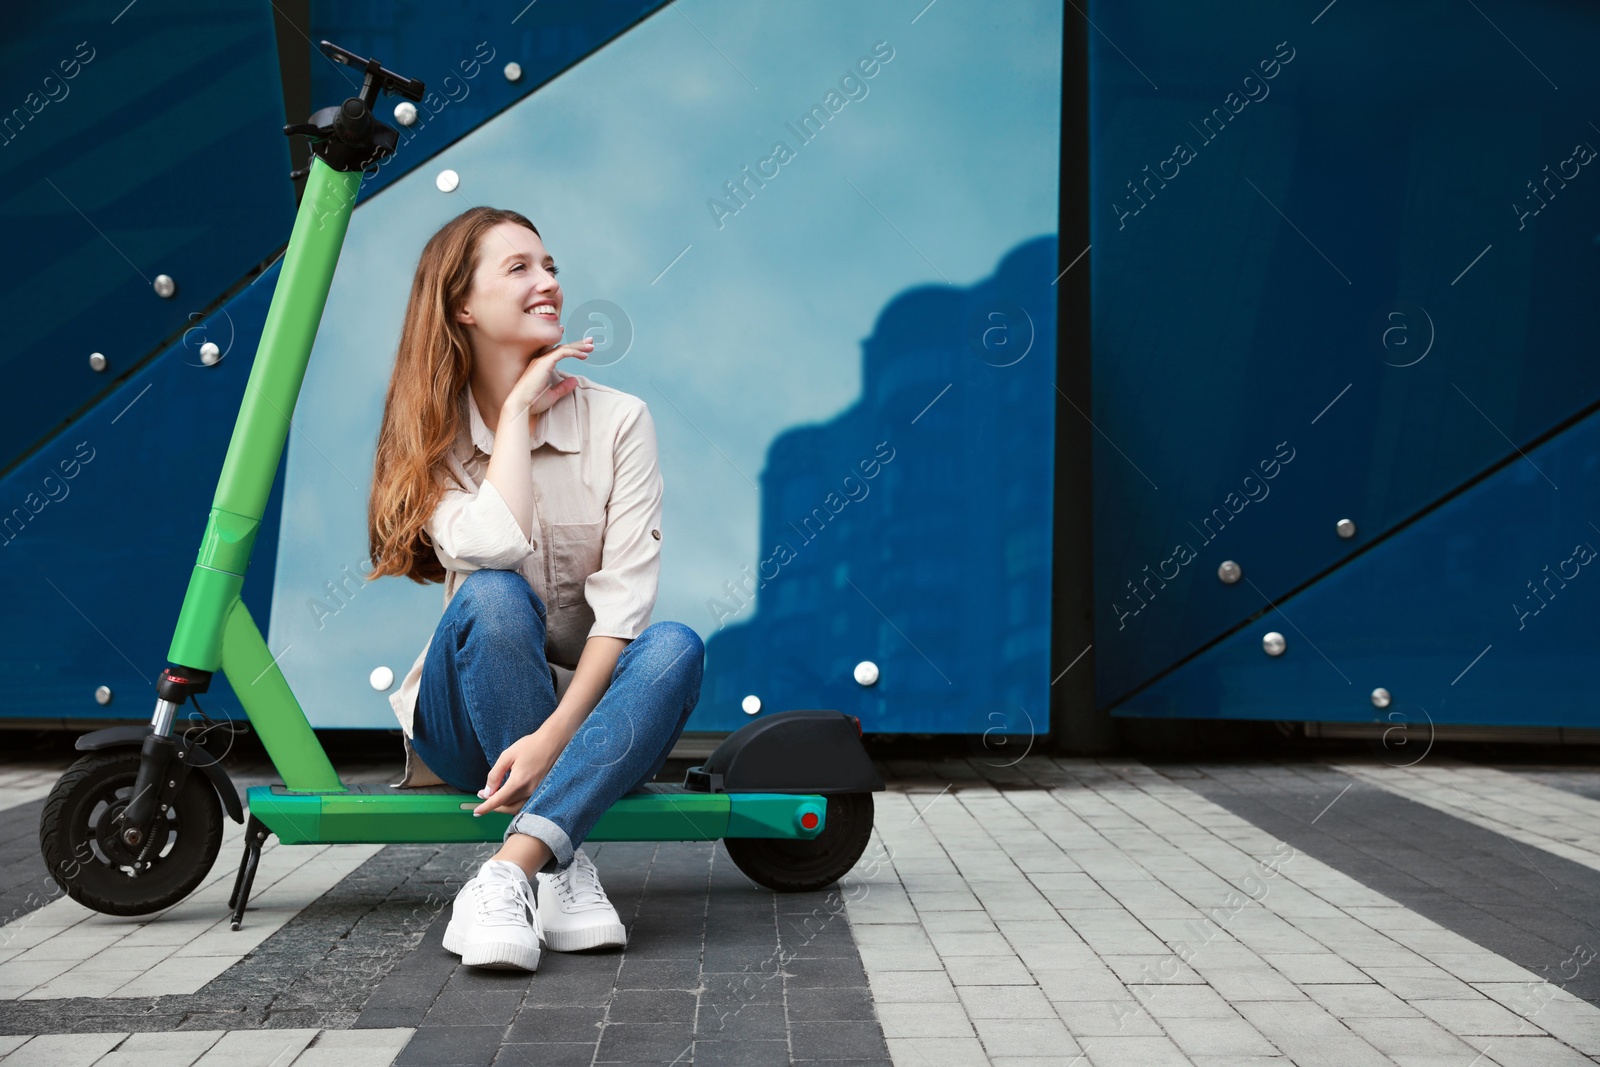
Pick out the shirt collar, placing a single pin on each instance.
(557, 425)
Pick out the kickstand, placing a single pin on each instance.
(255, 835)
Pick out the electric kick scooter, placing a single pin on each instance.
(135, 824)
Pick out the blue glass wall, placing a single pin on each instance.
(104, 522)
(1343, 264)
(1481, 612)
(131, 145)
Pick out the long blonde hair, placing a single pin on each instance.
(421, 416)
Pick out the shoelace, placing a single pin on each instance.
(504, 900)
(580, 885)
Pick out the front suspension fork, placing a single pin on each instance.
(163, 763)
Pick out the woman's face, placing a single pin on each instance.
(514, 301)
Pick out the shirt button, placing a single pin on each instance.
(656, 534)
(536, 546)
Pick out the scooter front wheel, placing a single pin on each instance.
(796, 866)
(90, 862)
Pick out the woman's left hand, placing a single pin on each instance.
(518, 771)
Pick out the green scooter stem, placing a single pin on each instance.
(215, 630)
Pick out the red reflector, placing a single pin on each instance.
(857, 721)
(809, 820)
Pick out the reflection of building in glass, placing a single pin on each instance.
(912, 530)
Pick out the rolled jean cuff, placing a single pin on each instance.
(552, 835)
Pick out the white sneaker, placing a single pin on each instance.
(574, 911)
(493, 922)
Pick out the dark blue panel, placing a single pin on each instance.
(1481, 612)
(913, 530)
(1357, 229)
(460, 54)
(163, 153)
(95, 556)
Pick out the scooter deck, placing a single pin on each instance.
(382, 814)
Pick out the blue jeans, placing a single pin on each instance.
(486, 683)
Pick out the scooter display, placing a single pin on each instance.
(135, 825)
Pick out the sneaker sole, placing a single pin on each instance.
(609, 935)
(496, 954)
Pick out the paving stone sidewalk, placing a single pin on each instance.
(1049, 911)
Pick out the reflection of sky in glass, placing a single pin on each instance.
(948, 162)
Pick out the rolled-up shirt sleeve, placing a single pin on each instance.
(622, 593)
(476, 530)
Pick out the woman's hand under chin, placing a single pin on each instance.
(534, 390)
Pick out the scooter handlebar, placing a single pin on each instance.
(348, 137)
(378, 78)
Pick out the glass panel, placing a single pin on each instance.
(1343, 264)
(881, 301)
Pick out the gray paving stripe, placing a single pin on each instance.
(1521, 902)
(25, 885)
(717, 970)
(317, 971)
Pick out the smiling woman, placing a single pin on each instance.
(535, 496)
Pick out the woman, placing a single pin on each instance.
(535, 497)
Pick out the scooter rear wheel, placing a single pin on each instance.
(794, 866)
(98, 870)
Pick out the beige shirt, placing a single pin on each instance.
(595, 555)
